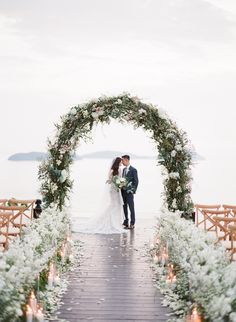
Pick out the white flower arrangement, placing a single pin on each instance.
(162, 113)
(136, 99)
(174, 175)
(205, 278)
(127, 117)
(174, 203)
(179, 189)
(142, 111)
(97, 112)
(64, 175)
(171, 135)
(26, 258)
(53, 187)
(73, 111)
(119, 182)
(178, 147)
(119, 101)
(85, 113)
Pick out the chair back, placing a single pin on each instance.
(3, 202)
(199, 212)
(232, 232)
(27, 203)
(231, 207)
(209, 222)
(17, 216)
(4, 228)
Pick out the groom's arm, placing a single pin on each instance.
(135, 179)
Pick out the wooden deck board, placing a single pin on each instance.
(114, 281)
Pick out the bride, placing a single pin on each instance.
(109, 220)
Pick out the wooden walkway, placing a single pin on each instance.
(114, 281)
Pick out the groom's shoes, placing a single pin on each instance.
(126, 225)
(131, 227)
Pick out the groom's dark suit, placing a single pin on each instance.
(128, 196)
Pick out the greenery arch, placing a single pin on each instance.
(174, 155)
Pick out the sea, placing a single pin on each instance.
(214, 181)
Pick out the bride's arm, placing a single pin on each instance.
(110, 177)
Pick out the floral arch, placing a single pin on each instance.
(173, 153)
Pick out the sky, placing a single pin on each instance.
(177, 54)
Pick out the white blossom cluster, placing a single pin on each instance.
(26, 258)
(211, 277)
(97, 111)
(73, 111)
(162, 114)
(142, 111)
(174, 175)
(119, 101)
(64, 175)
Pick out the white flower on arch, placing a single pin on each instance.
(174, 175)
(64, 175)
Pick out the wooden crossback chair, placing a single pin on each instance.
(3, 202)
(208, 215)
(22, 211)
(232, 231)
(4, 228)
(232, 208)
(16, 219)
(222, 224)
(233, 212)
(27, 203)
(199, 211)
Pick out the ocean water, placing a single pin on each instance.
(214, 181)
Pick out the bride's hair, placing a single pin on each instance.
(115, 166)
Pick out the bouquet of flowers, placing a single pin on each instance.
(119, 182)
(122, 182)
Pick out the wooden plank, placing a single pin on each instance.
(114, 281)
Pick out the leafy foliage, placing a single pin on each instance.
(172, 144)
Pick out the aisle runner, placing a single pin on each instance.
(114, 281)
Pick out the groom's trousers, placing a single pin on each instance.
(128, 199)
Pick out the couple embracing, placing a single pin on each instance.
(118, 200)
(128, 186)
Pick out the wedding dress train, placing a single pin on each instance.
(109, 220)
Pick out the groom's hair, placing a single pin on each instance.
(126, 156)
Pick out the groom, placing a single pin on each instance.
(131, 174)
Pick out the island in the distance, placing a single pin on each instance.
(39, 156)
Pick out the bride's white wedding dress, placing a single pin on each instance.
(109, 220)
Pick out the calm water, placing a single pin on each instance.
(214, 182)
